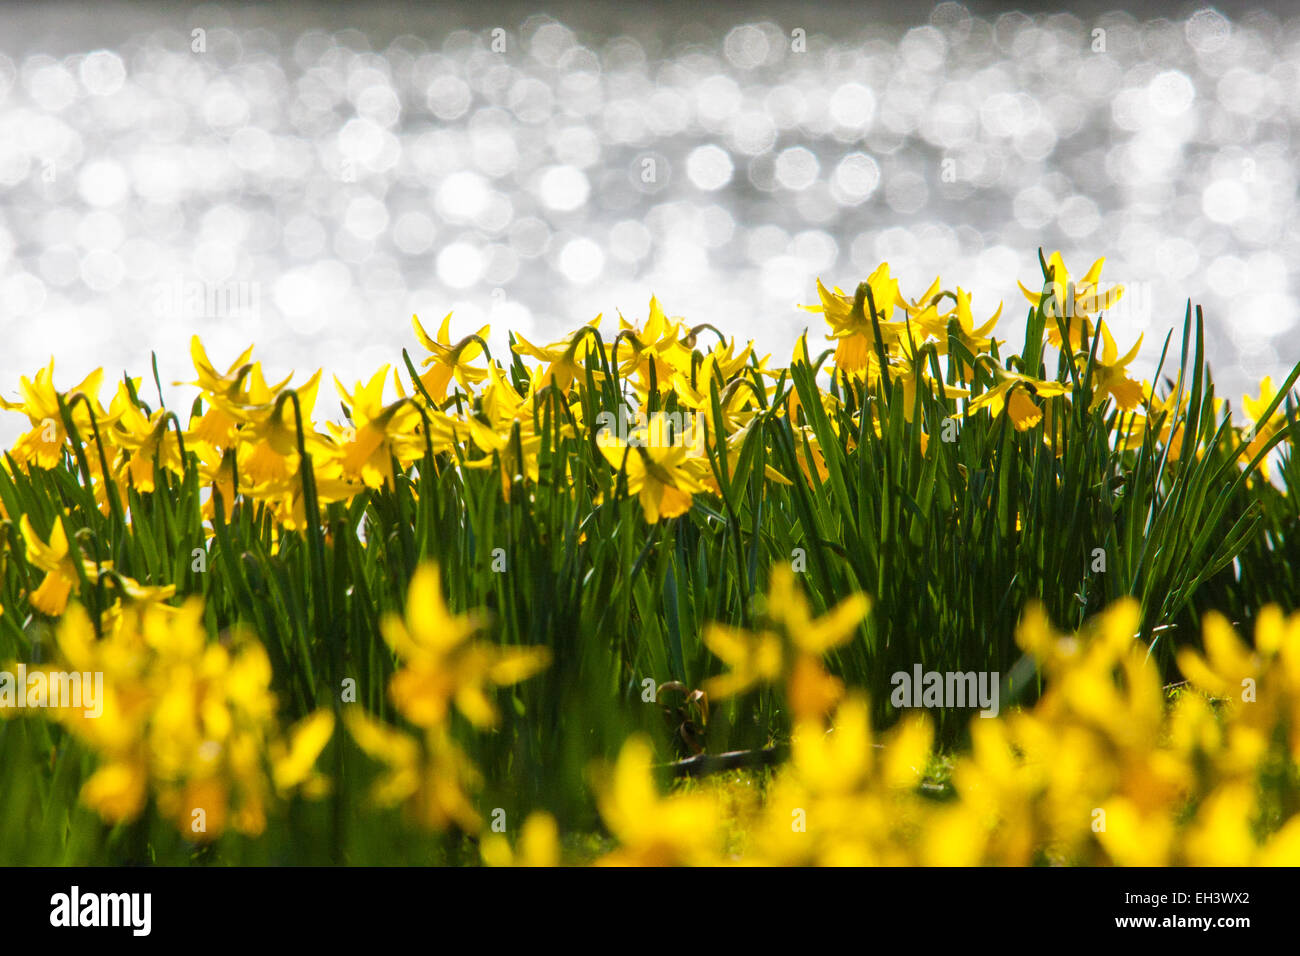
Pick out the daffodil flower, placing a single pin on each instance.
(431, 778)
(448, 361)
(1229, 662)
(268, 442)
(852, 329)
(1067, 300)
(790, 650)
(442, 666)
(926, 302)
(379, 433)
(188, 722)
(653, 830)
(56, 558)
(142, 438)
(1134, 427)
(293, 761)
(753, 659)
(977, 341)
(1110, 375)
(539, 844)
(565, 359)
(911, 374)
(1261, 431)
(228, 395)
(664, 476)
(44, 445)
(788, 606)
(1015, 393)
(655, 343)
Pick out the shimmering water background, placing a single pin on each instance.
(307, 177)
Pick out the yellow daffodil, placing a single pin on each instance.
(852, 328)
(566, 359)
(429, 777)
(1261, 430)
(294, 760)
(379, 433)
(754, 659)
(1073, 304)
(662, 474)
(1230, 663)
(653, 830)
(977, 341)
(539, 844)
(189, 722)
(1110, 375)
(268, 443)
(1016, 393)
(655, 343)
(442, 666)
(44, 445)
(791, 650)
(55, 557)
(448, 361)
(144, 438)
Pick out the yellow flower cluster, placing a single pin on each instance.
(790, 651)
(65, 570)
(188, 722)
(193, 723)
(1102, 769)
(249, 436)
(442, 667)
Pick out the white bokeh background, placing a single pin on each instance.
(313, 181)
